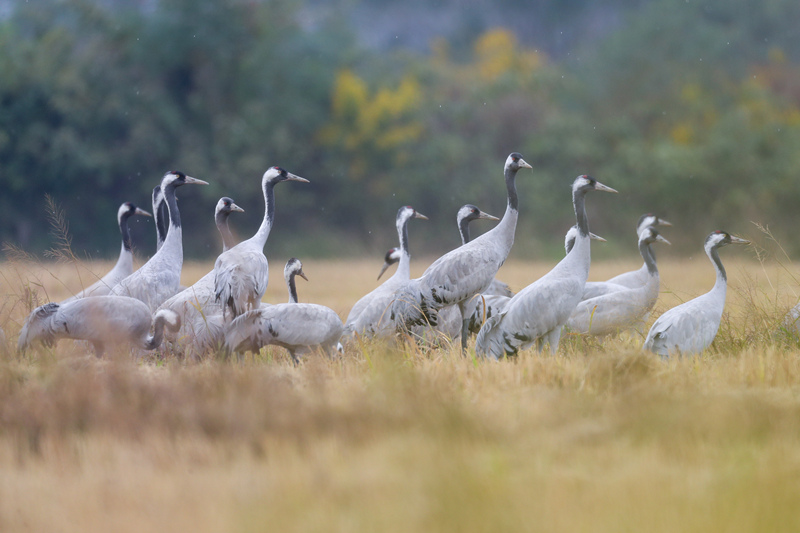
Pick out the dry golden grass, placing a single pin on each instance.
(601, 437)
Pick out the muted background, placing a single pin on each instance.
(690, 109)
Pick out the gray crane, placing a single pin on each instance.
(196, 303)
(299, 327)
(464, 272)
(486, 305)
(370, 316)
(241, 274)
(539, 311)
(692, 326)
(124, 266)
(159, 278)
(101, 320)
(628, 308)
(626, 280)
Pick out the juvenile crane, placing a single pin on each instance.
(124, 266)
(101, 320)
(464, 272)
(300, 328)
(628, 308)
(159, 278)
(692, 326)
(370, 315)
(539, 311)
(241, 274)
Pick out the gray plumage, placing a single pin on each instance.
(628, 308)
(486, 305)
(124, 266)
(539, 311)
(159, 278)
(626, 280)
(101, 320)
(692, 326)
(370, 316)
(241, 274)
(464, 272)
(196, 304)
(299, 327)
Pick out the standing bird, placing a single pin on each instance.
(159, 278)
(691, 327)
(300, 328)
(626, 280)
(124, 266)
(241, 274)
(196, 304)
(464, 272)
(615, 311)
(484, 306)
(101, 320)
(370, 315)
(540, 310)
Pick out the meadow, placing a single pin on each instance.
(601, 437)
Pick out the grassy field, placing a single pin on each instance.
(602, 437)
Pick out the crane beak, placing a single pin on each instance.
(662, 222)
(596, 237)
(196, 181)
(292, 177)
(662, 239)
(738, 240)
(487, 216)
(142, 212)
(605, 188)
(302, 275)
(523, 164)
(383, 269)
(420, 215)
(236, 208)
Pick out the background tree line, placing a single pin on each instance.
(689, 109)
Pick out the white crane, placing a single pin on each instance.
(195, 305)
(241, 274)
(485, 305)
(124, 266)
(300, 328)
(539, 311)
(691, 327)
(101, 320)
(628, 308)
(159, 278)
(370, 315)
(464, 272)
(626, 280)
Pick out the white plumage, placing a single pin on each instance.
(692, 326)
(627, 308)
(124, 266)
(241, 274)
(101, 320)
(159, 278)
(370, 314)
(300, 328)
(540, 310)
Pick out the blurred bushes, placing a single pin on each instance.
(691, 110)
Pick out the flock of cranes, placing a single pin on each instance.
(457, 296)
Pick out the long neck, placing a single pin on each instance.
(404, 266)
(505, 229)
(463, 228)
(221, 219)
(580, 255)
(174, 240)
(579, 203)
(722, 277)
(649, 258)
(125, 253)
(160, 213)
(269, 213)
(292, 288)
